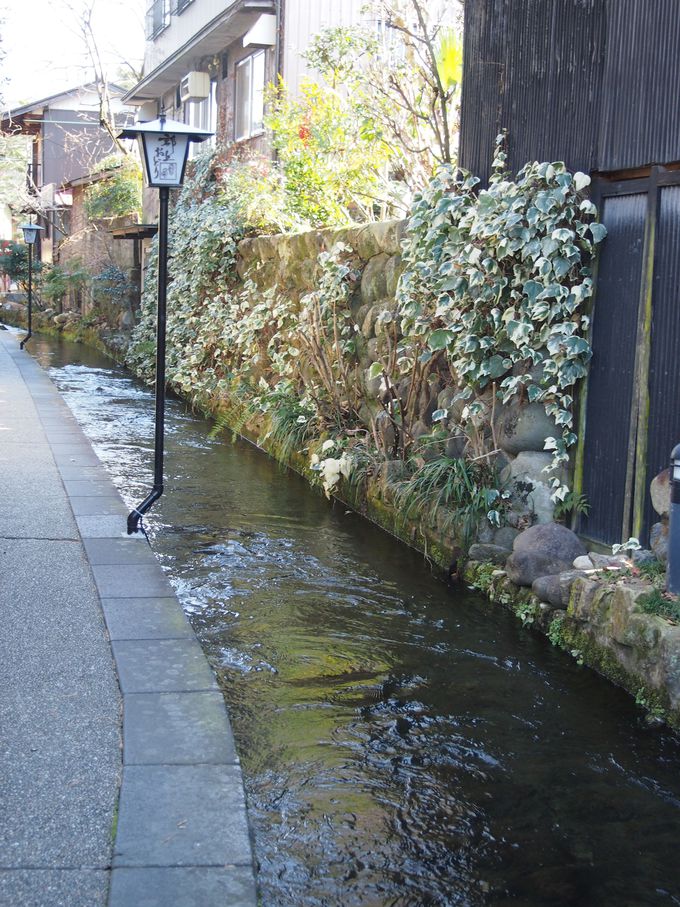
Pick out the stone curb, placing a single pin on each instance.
(182, 832)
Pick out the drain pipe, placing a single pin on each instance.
(135, 516)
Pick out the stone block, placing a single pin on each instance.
(658, 541)
(393, 271)
(186, 886)
(181, 815)
(374, 279)
(505, 537)
(528, 464)
(488, 553)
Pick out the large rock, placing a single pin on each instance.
(542, 550)
(523, 427)
(386, 431)
(567, 580)
(445, 398)
(660, 491)
(555, 590)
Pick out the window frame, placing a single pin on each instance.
(253, 129)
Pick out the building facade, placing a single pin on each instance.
(66, 143)
(208, 62)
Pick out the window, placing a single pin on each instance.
(182, 5)
(157, 18)
(249, 102)
(202, 115)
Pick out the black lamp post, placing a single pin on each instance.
(30, 236)
(673, 572)
(164, 146)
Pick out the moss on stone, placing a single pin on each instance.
(601, 659)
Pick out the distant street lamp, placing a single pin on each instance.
(30, 236)
(164, 146)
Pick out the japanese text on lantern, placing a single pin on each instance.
(164, 162)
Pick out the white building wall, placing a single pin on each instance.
(5, 222)
(182, 29)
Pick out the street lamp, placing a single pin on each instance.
(30, 236)
(164, 146)
(673, 573)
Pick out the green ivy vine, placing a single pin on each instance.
(499, 280)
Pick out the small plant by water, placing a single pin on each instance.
(467, 490)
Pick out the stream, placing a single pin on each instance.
(402, 743)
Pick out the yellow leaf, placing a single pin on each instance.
(450, 59)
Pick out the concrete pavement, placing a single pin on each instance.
(119, 782)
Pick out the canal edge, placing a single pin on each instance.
(180, 829)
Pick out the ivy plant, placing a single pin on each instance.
(499, 280)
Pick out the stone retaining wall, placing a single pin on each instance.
(588, 616)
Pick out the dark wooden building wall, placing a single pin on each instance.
(591, 82)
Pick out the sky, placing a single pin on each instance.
(44, 52)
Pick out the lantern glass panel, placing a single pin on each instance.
(30, 234)
(165, 156)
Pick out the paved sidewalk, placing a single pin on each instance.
(86, 819)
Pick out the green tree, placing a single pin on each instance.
(119, 192)
(14, 261)
(331, 164)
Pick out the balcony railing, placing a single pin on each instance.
(157, 18)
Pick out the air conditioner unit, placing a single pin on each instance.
(195, 86)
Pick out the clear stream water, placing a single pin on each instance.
(402, 743)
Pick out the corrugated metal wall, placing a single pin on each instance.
(640, 115)
(591, 82)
